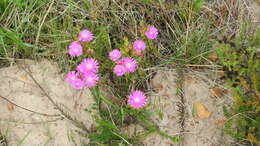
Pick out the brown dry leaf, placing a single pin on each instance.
(221, 73)
(252, 102)
(213, 57)
(10, 107)
(220, 122)
(201, 111)
(93, 128)
(169, 143)
(218, 92)
(24, 76)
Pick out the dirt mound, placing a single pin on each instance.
(38, 120)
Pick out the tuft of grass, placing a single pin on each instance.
(3, 139)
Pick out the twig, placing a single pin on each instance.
(198, 65)
(39, 122)
(43, 114)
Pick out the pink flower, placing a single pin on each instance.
(129, 63)
(119, 70)
(75, 49)
(137, 99)
(78, 84)
(85, 35)
(88, 65)
(71, 77)
(139, 45)
(90, 79)
(114, 54)
(151, 33)
(74, 81)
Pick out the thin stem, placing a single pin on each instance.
(43, 114)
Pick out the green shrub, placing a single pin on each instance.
(240, 60)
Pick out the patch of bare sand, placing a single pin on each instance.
(33, 129)
(203, 130)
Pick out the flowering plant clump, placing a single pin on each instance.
(137, 99)
(124, 65)
(85, 73)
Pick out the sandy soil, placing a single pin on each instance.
(201, 128)
(35, 128)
